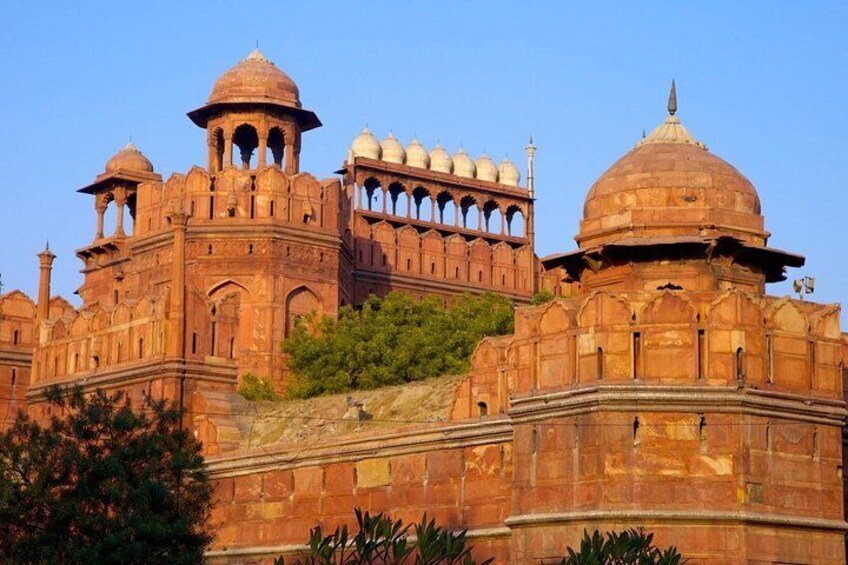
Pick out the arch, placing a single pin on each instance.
(492, 217)
(247, 140)
(555, 318)
(446, 208)
(785, 316)
(217, 144)
(224, 288)
(399, 200)
(422, 207)
(515, 221)
(603, 308)
(469, 213)
(668, 308)
(734, 308)
(300, 303)
(276, 146)
(373, 196)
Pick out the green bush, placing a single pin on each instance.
(389, 341)
(256, 388)
(631, 547)
(541, 297)
(379, 539)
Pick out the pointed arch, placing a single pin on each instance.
(301, 303)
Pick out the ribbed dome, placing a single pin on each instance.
(366, 145)
(669, 186)
(508, 173)
(440, 160)
(393, 151)
(486, 169)
(129, 159)
(255, 79)
(416, 155)
(463, 164)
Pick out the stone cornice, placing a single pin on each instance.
(13, 357)
(398, 442)
(116, 377)
(677, 516)
(662, 398)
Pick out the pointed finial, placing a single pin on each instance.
(672, 99)
(47, 245)
(257, 44)
(643, 133)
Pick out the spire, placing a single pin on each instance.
(672, 99)
(531, 153)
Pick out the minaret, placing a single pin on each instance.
(531, 222)
(531, 153)
(45, 260)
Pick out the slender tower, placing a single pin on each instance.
(531, 221)
(45, 260)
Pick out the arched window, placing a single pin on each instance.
(740, 364)
(276, 147)
(599, 360)
(247, 140)
(492, 217)
(374, 196)
(218, 147)
(14, 376)
(300, 303)
(141, 348)
(16, 337)
(515, 221)
(483, 408)
(636, 426)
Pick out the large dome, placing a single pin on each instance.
(255, 79)
(670, 188)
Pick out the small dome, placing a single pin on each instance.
(508, 173)
(486, 169)
(366, 145)
(440, 160)
(393, 151)
(255, 79)
(463, 164)
(416, 155)
(129, 159)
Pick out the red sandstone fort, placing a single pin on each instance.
(662, 387)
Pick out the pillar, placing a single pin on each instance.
(228, 151)
(408, 206)
(45, 264)
(176, 341)
(120, 194)
(262, 149)
(100, 206)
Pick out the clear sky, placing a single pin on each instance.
(763, 84)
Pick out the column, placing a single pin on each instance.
(228, 151)
(100, 205)
(176, 340)
(120, 195)
(408, 206)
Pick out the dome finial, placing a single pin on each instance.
(672, 99)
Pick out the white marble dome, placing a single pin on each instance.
(440, 160)
(393, 151)
(508, 173)
(416, 155)
(486, 169)
(366, 145)
(463, 164)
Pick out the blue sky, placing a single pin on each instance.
(762, 84)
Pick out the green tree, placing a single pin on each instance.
(256, 388)
(631, 547)
(390, 341)
(102, 483)
(379, 539)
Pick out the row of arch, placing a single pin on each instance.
(247, 140)
(466, 212)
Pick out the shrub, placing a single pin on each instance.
(256, 388)
(379, 539)
(541, 297)
(390, 341)
(631, 547)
